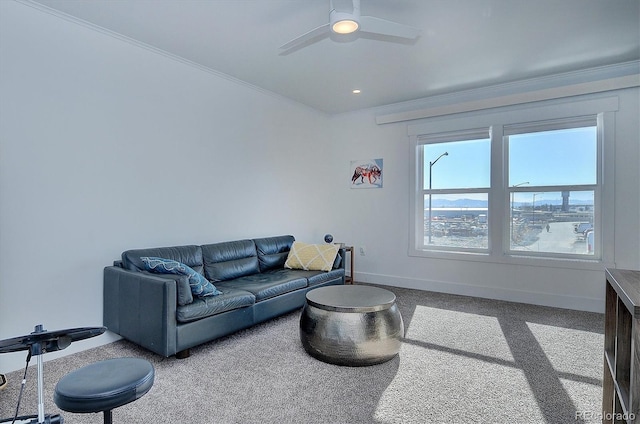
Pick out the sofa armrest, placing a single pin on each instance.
(141, 308)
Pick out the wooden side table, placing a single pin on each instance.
(348, 279)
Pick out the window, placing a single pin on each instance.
(552, 175)
(455, 185)
(515, 185)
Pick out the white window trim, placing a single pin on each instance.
(496, 119)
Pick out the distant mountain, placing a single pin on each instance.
(473, 203)
(459, 203)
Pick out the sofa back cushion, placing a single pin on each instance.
(229, 260)
(273, 251)
(188, 255)
(199, 285)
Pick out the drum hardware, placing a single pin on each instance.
(38, 343)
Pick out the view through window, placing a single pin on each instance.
(553, 181)
(548, 193)
(456, 181)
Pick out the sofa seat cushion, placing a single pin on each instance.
(320, 277)
(203, 307)
(266, 284)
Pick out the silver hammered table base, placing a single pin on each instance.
(351, 325)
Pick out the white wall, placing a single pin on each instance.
(106, 146)
(379, 219)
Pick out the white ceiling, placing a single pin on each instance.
(464, 44)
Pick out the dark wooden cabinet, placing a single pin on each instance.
(621, 381)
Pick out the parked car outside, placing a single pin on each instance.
(582, 227)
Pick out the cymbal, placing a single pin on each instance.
(49, 341)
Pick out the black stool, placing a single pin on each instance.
(104, 385)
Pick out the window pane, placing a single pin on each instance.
(560, 157)
(465, 165)
(456, 220)
(553, 222)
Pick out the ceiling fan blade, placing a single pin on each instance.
(308, 38)
(374, 25)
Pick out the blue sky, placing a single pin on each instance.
(466, 166)
(554, 157)
(543, 158)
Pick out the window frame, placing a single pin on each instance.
(603, 109)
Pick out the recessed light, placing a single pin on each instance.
(356, 91)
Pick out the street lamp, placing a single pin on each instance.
(533, 211)
(512, 200)
(431, 166)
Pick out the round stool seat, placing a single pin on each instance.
(104, 385)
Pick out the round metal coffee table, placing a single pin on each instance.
(351, 325)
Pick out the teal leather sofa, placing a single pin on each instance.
(159, 311)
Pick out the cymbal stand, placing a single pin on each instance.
(37, 349)
(38, 343)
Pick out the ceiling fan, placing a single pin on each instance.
(344, 22)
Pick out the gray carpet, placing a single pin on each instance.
(463, 360)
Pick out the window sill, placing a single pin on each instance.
(585, 264)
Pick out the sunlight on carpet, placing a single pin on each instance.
(565, 348)
(582, 395)
(459, 331)
(581, 376)
(469, 390)
(480, 364)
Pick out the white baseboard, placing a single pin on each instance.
(543, 299)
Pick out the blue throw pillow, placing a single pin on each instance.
(200, 286)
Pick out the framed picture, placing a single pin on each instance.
(366, 173)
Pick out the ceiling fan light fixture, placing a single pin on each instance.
(344, 22)
(345, 26)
